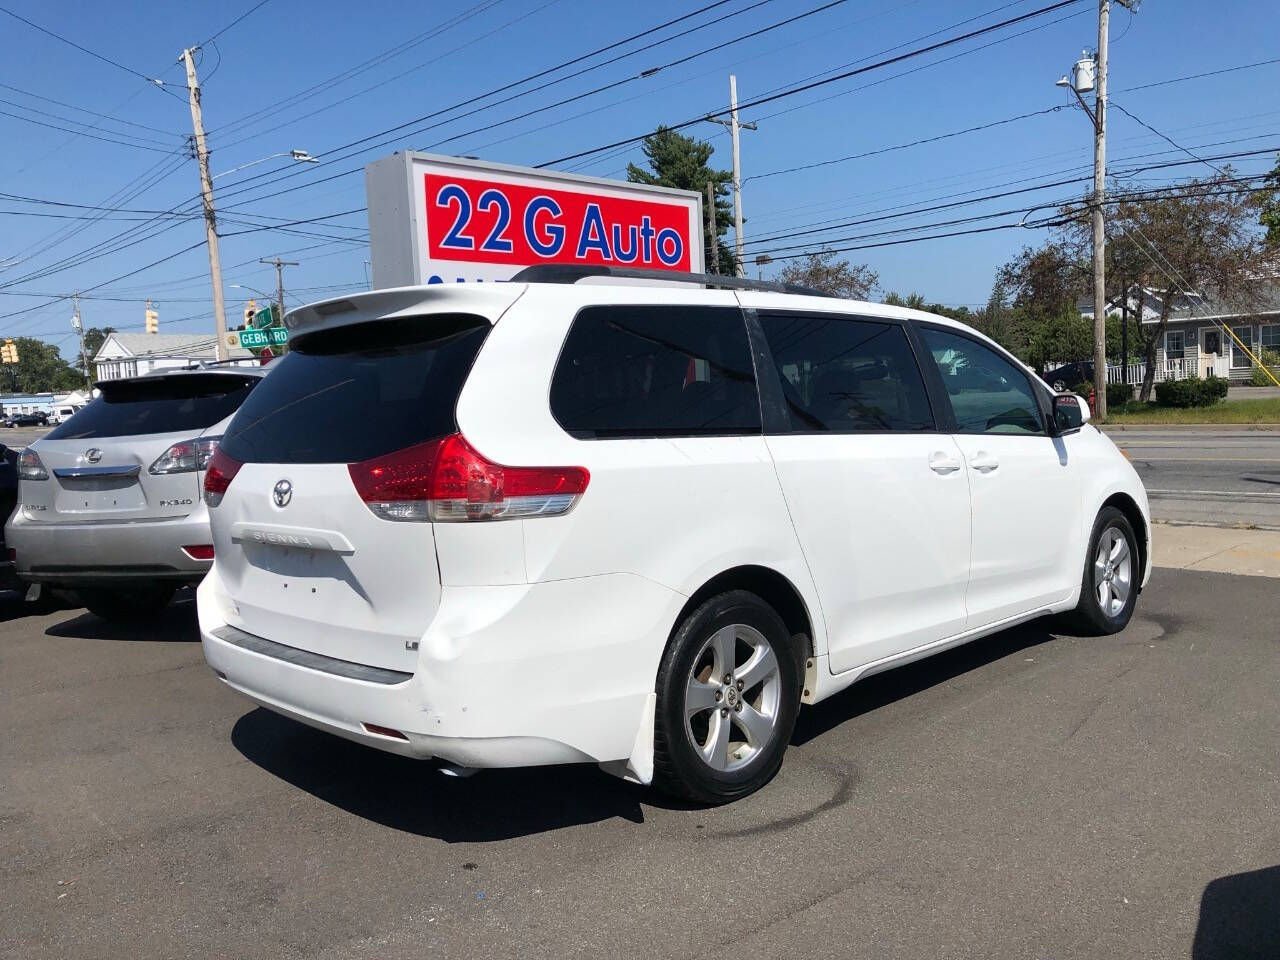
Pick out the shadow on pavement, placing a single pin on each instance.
(413, 796)
(1240, 917)
(899, 683)
(175, 624)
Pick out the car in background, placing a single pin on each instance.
(109, 502)
(8, 499)
(63, 414)
(1069, 375)
(26, 420)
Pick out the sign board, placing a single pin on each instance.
(439, 219)
(264, 317)
(260, 338)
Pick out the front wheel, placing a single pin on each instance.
(1112, 574)
(728, 694)
(127, 603)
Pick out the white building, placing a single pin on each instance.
(134, 354)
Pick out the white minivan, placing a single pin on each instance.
(640, 524)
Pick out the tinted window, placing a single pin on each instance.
(656, 372)
(345, 395)
(186, 403)
(988, 393)
(847, 375)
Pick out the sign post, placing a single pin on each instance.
(436, 219)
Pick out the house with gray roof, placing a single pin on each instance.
(134, 354)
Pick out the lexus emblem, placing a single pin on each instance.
(282, 493)
(92, 455)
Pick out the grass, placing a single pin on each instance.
(1259, 410)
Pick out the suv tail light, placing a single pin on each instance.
(219, 473)
(30, 466)
(448, 480)
(186, 456)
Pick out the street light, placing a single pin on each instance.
(298, 156)
(244, 286)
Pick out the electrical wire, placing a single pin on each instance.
(257, 6)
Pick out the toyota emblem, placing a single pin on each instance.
(92, 455)
(282, 493)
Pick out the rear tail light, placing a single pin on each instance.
(448, 480)
(199, 551)
(30, 467)
(219, 473)
(186, 456)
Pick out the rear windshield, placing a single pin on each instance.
(345, 395)
(187, 403)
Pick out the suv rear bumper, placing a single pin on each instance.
(101, 553)
(507, 676)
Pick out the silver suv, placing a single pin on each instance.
(109, 502)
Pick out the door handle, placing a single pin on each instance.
(983, 462)
(942, 463)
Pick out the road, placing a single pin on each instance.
(1211, 474)
(1031, 795)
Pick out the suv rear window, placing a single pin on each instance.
(656, 371)
(183, 403)
(349, 394)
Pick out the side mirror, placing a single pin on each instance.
(1070, 413)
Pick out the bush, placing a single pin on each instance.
(1258, 377)
(1118, 394)
(1191, 393)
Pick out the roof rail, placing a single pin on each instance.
(572, 273)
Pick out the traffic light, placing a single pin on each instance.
(250, 310)
(153, 319)
(9, 352)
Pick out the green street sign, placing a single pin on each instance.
(265, 318)
(273, 336)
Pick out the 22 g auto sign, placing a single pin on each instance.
(488, 221)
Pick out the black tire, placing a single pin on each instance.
(1089, 616)
(679, 767)
(127, 603)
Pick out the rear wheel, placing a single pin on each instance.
(127, 603)
(728, 694)
(1109, 586)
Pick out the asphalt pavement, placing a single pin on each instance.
(1207, 474)
(1034, 794)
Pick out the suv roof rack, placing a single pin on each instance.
(572, 273)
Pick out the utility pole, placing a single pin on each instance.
(206, 193)
(713, 242)
(739, 268)
(79, 326)
(279, 265)
(1099, 237)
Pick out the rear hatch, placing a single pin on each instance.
(109, 464)
(306, 562)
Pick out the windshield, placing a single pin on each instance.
(188, 403)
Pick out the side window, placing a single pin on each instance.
(656, 371)
(846, 374)
(988, 393)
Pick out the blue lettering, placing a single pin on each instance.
(554, 232)
(594, 236)
(646, 239)
(630, 252)
(669, 238)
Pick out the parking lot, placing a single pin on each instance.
(1032, 795)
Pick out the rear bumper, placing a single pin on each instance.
(96, 553)
(507, 676)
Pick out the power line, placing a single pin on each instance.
(1165, 138)
(792, 91)
(257, 6)
(82, 133)
(92, 113)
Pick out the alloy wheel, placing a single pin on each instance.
(1112, 571)
(732, 697)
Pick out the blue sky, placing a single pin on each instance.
(258, 100)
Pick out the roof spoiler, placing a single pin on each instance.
(572, 273)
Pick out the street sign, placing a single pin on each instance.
(265, 317)
(261, 338)
(436, 219)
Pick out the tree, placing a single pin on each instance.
(840, 278)
(40, 369)
(1170, 246)
(94, 337)
(1043, 324)
(912, 301)
(682, 163)
(1269, 202)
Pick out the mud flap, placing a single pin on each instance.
(638, 768)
